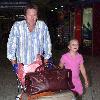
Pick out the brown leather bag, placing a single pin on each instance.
(43, 80)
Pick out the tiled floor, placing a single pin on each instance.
(93, 68)
(8, 85)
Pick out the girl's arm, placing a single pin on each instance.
(61, 65)
(83, 71)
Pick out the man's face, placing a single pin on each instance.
(31, 16)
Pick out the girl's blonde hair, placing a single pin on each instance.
(74, 39)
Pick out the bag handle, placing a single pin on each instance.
(70, 83)
(39, 69)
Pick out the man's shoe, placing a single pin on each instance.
(18, 97)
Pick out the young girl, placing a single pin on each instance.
(74, 61)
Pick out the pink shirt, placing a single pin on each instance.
(72, 63)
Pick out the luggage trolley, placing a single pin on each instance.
(62, 95)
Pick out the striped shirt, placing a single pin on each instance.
(24, 45)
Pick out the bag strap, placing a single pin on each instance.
(70, 83)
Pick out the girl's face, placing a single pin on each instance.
(31, 16)
(73, 46)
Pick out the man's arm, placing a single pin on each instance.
(11, 45)
(47, 45)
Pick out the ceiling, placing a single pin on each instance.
(16, 6)
(21, 3)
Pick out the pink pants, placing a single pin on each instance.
(23, 69)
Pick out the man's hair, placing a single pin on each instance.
(30, 6)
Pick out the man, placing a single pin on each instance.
(28, 39)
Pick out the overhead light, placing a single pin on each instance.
(2, 16)
(12, 6)
(19, 15)
(56, 8)
(10, 3)
(51, 10)
(62, 6)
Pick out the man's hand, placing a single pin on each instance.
(15, 68)
(14, 65)
(45, 61)
(13, 62)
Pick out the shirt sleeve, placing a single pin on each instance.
(12, 42)
(47, 43)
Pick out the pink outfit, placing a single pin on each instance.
(74, 64)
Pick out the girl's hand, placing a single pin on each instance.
(86, 84)
(61, 65)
